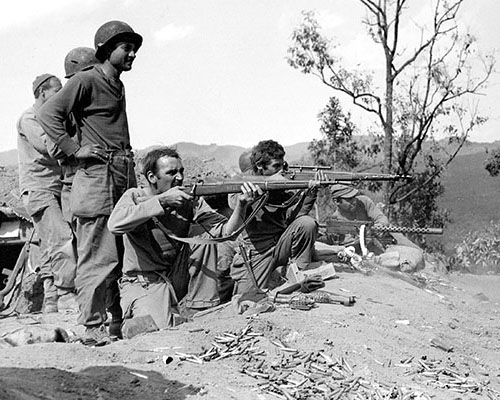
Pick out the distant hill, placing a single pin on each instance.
(8, 158)
(228, 155)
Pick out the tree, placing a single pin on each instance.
(427, 90)
(336, 147)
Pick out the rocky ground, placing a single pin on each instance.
(435, 337)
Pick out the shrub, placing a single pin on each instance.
(479, 252)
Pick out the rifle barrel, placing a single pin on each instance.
(341, 176)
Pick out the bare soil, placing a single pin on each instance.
(439, 341)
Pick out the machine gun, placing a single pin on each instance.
(369, 232)
(301, 172)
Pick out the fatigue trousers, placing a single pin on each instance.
(57, 253)
(148, 293)
(199, 279)
(295, 244)
(99, 267)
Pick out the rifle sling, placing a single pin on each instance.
(214, 240)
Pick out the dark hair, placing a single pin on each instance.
(264, 152)
(48, 84)
(149, 161)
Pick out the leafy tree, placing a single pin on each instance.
(492, 164)
(427, 89)
(338, 147)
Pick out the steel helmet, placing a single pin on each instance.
(79, 59)
(244, 161)
(111, 33)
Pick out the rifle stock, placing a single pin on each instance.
(228, 187)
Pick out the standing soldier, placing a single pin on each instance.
(78, 59)
(40, 186)
(96, 98)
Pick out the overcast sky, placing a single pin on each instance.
(209, 71)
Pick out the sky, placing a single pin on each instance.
(211, 71)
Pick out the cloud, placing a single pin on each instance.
(329, 20)
(171, 32)
(22, 13)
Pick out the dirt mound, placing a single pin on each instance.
(439, 341)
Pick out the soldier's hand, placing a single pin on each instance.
(249, 192)
(174, 197)
(91, 151)
(320, 175)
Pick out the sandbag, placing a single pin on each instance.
(404, 258)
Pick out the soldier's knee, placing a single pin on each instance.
(307, 224)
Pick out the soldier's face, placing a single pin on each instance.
(347, 204)
(54, 88)
(123, 56)
(170, 173)
(273, 166)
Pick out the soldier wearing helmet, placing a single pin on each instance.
(96, 98)
(79, 59)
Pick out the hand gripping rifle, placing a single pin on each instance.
(335, 228)
(301, 172)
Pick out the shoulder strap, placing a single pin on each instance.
(214, 240)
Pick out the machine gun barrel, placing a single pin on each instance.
(352, 227)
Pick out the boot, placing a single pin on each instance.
(49, 296)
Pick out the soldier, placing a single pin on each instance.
(40, 186)
(281, 231)
(158, 268)
(78, 59)
(353, 205)
(96, 98)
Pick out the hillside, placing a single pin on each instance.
(471, 196)
(8, 158)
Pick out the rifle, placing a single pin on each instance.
(228, 187)
(334, 229)
(302, 172)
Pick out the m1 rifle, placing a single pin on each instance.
(302, 172)
(228, 187)
(368, 231)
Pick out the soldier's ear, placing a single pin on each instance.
(151, 177)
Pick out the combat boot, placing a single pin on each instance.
(49, 296)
